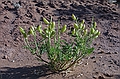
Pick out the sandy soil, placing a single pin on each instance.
(19, 63)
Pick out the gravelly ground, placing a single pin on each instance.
(18, 63)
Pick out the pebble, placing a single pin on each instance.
(6, 17)
(86, 63)
(108, 75)
(94, 61)
(101, 77)
(108, 53)
(5, 57)
(13, 61)
(115, 52)
(92, 57)
(101, 52)
(100, 56)
(79, 75)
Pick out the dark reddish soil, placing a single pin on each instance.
(19, 63)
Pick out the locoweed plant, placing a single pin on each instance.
(61, 54)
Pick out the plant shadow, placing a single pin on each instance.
(34, 72)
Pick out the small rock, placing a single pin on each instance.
(13, 61)
(81, 74)
(38, 10)
(5, 57)
(108, 75)
(86, 63)
(108, 53)
(109, 66)
(101, 52)
(94, 61)
(101, 77)
(117, 62)
(6, 17)
(100, 56)
(115, 52)
(94, 77)
(92, 57)
(5, 44)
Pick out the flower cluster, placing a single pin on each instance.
(61, 54)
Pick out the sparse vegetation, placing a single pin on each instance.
(62, 55)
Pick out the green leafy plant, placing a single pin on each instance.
(61, 54)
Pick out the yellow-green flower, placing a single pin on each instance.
(74, 17)
(45, 21)
(63, 28)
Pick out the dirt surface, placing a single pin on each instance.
(19, 63)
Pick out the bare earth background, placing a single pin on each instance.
(18, 63)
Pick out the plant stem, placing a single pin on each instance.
(77, 59)
(42, 59)
(36, 45)
(27, 44)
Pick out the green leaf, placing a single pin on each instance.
(52, 34)
(89, 50)
(43, 48)
(94, 25)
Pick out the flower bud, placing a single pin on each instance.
(80, 25)
(32, 28)
(39, 29)
(73, 32)
(94, 25)
(96, 32)
(22, 30)
(92, 30)
(83, 21)
(45, 21)
(96, 35)
(52, 34)
(63, 29)
(53, 25)
(46, 31)
(85, 32)
(76, 26)
(32, 31)
(74, 17)
(83, 27)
